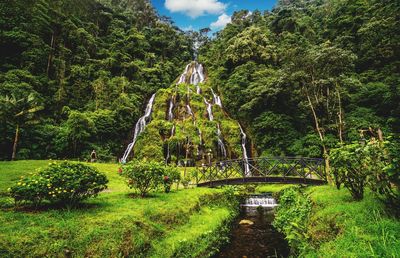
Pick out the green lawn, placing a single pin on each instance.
(113, 224)
(341, 227)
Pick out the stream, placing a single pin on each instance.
(259, 239)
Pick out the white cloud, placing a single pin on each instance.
(195, 8)
(190, 27)
(222, 21)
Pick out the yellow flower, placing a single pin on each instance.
(23, 184)
(65, 191)
(54, 195)
(72, 191)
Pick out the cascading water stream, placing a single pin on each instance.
(201, 138)
(263, 201)
(221, 144)
(182, 79)
(245, 158)
(217, 99)
(139, 127)
(171, 106)
(168, 152)
(209, 110)
(189, 110)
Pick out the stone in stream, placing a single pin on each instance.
(246, 222)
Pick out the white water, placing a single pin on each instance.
(189, 110)
(183, 75)
(171, 106)
(262, 201)
(201, 138)
(209, 110)
(217, 99)
(168, 154)
(245, 158)
(173, 130)
(221, 144)
(139, 127)
(196, 77)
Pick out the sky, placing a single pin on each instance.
(214, 14)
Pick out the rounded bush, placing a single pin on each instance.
(145, 176)
(65, 182)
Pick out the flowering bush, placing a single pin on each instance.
(145, 176)
(65, 182)
(171, 175)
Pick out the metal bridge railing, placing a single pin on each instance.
(263, 167)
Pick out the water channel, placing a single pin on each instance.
(252, 234)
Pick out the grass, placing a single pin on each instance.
(113, 224)
(341, 227)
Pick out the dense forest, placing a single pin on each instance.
(74, 75)
(310, 74)
(303, 77)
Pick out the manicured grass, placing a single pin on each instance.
(113, 224)
(272, 188)
(341, 227)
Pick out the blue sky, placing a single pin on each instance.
(215, 14)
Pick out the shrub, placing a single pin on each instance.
(171, 175)
(143, 176)
(292, 218)
(66, 183)
(349, 168)
(373, 164)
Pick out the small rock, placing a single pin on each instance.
(246, 222)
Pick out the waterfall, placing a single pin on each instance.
(209, 109)
(260, 200)
(217, 99)
(201, 72)
(182, 79)
(171, 106)
(245, 158)
(201, 138)
(194, 78)
(189, 110)
(173, 130)
(168, 154)
(139, 127)
(221, 145)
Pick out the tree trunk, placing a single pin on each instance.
(14, 150)
(321, 137)
(340, 115)
(50, 54)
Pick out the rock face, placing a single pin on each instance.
(189, 125)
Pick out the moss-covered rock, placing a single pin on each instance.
(190, 135)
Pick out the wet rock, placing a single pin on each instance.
(246, 222)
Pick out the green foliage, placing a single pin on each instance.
(144, 176)
(101, 59)
(309, 68)
(66, 183)
(171, 175)
(292, 217)
(124, 226)
(340, 227)
(371, 164)
(350, 168)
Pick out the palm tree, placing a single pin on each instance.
(20, 112)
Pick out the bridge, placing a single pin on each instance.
(284, 170)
